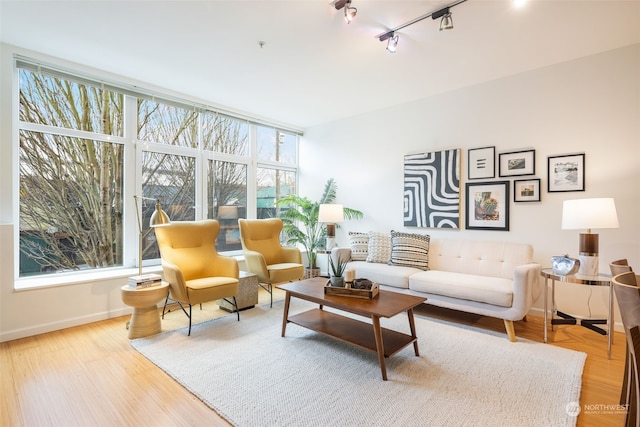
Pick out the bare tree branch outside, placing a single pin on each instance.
(72, 171)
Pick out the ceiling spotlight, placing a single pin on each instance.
(349, 12)
(446, 23)
(392, 44)
(392, 40)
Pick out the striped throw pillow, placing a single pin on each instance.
(359, 243)
(410, 250)
(379, 249)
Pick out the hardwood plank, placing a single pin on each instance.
(90, 375)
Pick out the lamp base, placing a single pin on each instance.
(331, 243)
(588, 265)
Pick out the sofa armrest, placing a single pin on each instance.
(526, 288)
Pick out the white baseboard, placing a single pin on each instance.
(62, 324)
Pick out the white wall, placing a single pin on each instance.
(590, 105)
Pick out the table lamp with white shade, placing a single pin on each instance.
(588, 214)
(331, 214)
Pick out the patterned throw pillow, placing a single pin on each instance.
(379, 249)
(359, 243)
(410, 250)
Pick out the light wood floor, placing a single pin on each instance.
(90, 375)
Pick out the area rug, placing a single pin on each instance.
(251, 376)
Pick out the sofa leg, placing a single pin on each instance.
(511, 331)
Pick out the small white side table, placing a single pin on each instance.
(566, 319)
(145, 319)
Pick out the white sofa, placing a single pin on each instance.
(489, 278)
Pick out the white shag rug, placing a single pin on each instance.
(251, 376)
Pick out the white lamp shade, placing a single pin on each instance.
(228, 212)
(331, 213)
(589, 213)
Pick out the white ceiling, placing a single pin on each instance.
(314, 68)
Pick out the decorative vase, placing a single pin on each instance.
(337, 282)
(564, 265)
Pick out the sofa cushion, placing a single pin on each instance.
(384, 274)
(410, 250)
(490, 290)
(359, 244)
(379, 249)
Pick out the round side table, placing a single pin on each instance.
(145, 319)
(566, 319)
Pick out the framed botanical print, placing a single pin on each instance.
(565, 173)
(487, 206)
(526, 190)
(482, 163)
(517, 163)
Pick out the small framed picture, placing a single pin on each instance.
(487, 206)
(565, 173)
(526, 190)
(517, 163)
(482, 163)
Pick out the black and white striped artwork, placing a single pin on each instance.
(432, 189)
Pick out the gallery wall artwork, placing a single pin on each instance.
(432, 189)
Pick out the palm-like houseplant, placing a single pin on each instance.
(301, 224)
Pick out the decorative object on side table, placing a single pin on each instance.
(588, 214)
(564, 265)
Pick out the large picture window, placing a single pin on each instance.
(87, 147)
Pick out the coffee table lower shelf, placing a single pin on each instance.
(351, 331)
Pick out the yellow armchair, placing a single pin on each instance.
(195, 271)
(265, 256)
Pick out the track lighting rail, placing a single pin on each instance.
(435, 15)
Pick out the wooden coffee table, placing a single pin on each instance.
(384, 342)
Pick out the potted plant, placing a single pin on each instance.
(337, 271)
(301, 224)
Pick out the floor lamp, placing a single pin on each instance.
(589, 214)
(157, 218)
